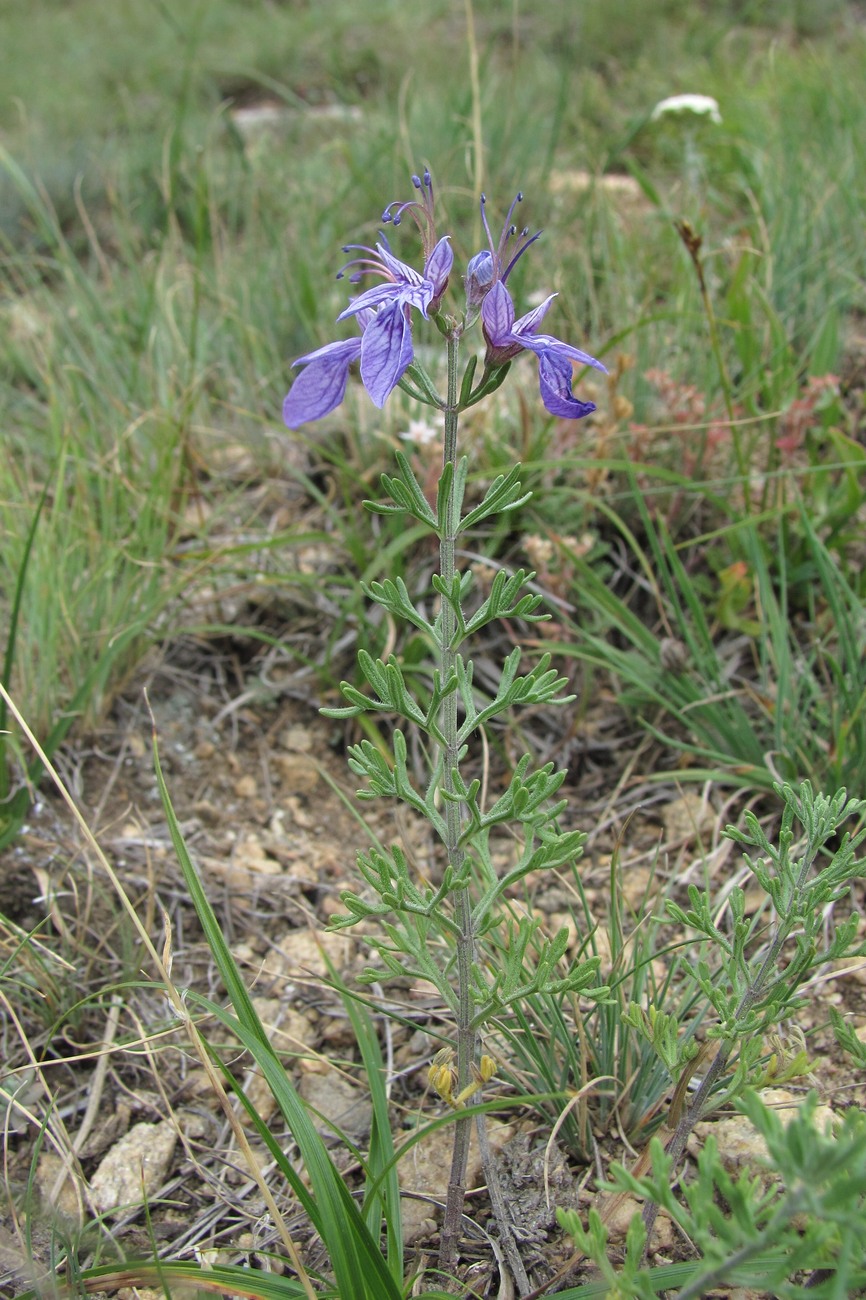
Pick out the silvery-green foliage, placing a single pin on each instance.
(792, 1227)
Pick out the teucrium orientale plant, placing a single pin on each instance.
(431, 930)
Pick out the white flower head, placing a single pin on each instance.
(420, 432)
(704, 105)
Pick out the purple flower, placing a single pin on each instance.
(384, 312)
(506, 337)
(496, 262)
(504, 256)
(386, 347)
(480, 272)
(422, 212)
(402, 283)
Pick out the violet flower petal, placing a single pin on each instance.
(401, 272)
(438, 265)
(371, 299)
(528, 324)
(386, 351)
(321, 385)
(546, 345)
(497, 313)
(554, 381)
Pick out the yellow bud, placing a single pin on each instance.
(486, 1068)
(441, 1079)
(441, 1076)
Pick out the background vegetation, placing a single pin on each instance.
(176, 187)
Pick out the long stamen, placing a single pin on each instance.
(371, 265)
(485, 224)
(523, 243)
(500, 251)
(508, 229)
(421, 211)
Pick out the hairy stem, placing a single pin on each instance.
(467, 1037)
(467, 1034)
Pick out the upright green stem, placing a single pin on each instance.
(467, 1036)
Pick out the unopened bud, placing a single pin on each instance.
(441, 1080)
(441, 1076)
(486, 1068)
(478, 281)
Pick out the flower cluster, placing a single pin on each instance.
(383, 313)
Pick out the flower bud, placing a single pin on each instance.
(484, 1071)
(479, 277)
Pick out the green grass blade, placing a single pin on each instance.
(360, 1270)
(382, 1194)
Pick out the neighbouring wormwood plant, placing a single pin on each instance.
(430, 929)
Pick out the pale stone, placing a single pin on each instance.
(135, 1167)
(288, 1029)
(298, 740)
(787, 1105)
(850, 968)
(638, 887)
(57, 1185)
(297, 773)
(305, 951)
(424, 1173)
(740, 1145)
(425, 1169)
(263, 121)
(294, 1034)
(339, 1103)
(251, 855)
(248, 860)
(574, 181)
(617, 1212)
(246, 955)
(260, 1097)
(687, 818)
(600, 946)
(194, 1124)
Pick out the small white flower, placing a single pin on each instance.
(702, 104)
(421, 432)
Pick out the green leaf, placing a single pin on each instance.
(490, 381)
(503, 494)
(406, 492)
(466, 385)
(394, 596)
